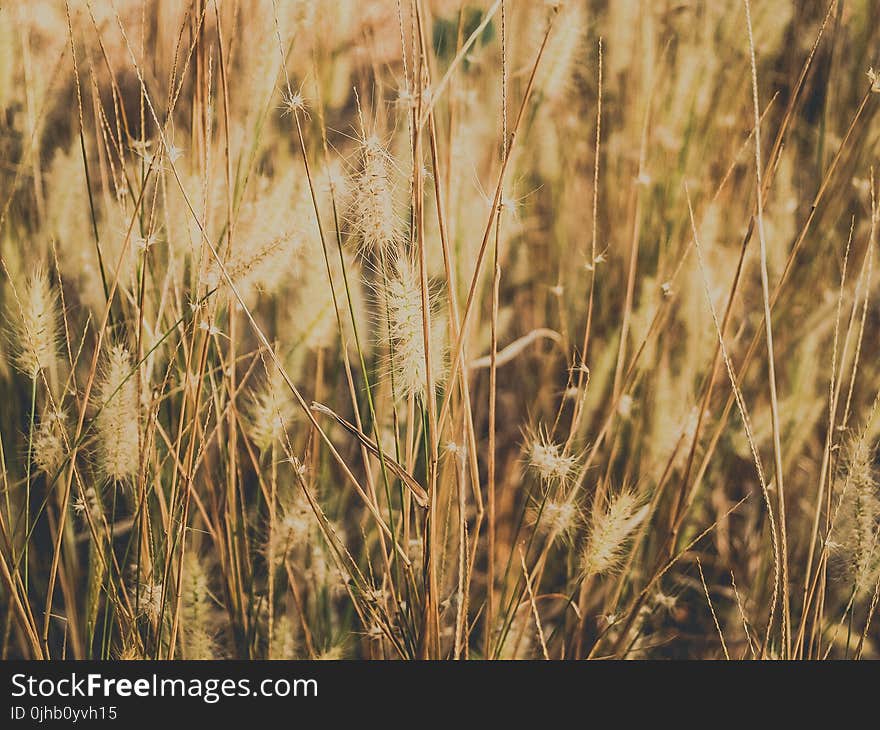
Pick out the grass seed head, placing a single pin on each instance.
(35, 326)
(116, 424)
(609, 531)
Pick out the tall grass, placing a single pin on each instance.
(439, 329)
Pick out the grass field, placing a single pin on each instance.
(439, 329)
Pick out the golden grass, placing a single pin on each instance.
(438, 329)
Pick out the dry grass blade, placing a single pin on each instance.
(418, 492)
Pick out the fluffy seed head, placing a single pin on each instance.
(293, 102)
(332, 654)
(548, 459)
(198, 639)
(853, 538)
(117, 421)
(373, 213)
(88, 502)
(271, 411)
(557, 517)
(48, 443)
(284, 639)
(150, 600)
(291, 529)
(405, 328)
(35, 326)
(257, 264)
(562, 53)
(665, 602)
(271, 231)
(609, 531)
